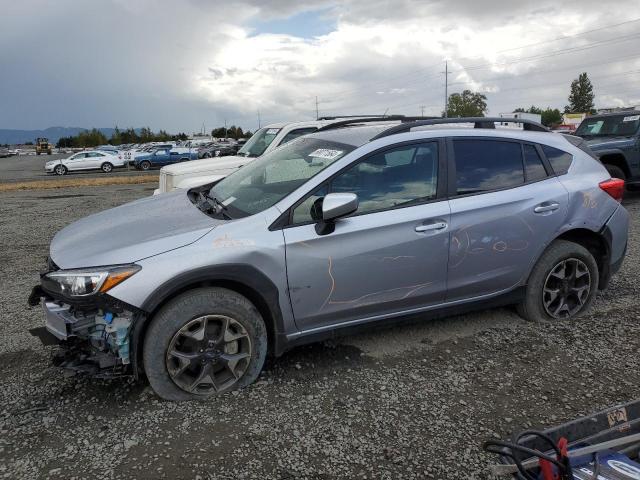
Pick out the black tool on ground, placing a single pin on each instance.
(603, 446)
(556, 467)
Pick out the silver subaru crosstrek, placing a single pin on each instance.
(357, 223)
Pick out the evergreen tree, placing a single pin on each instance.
(581, 96)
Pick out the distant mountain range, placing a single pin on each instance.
(52, 133)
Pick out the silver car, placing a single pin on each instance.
(353, 225)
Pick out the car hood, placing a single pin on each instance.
(131, 232)
(207, 165)
(605, 143)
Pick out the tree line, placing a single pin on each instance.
(94, 137)
(231, 132)
(474, 104)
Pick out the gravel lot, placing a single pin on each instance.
(411, 402)
(31, 167)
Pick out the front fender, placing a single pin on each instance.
(245, 279)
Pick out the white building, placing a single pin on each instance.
(521, 115)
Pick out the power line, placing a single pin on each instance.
(623, 38)
(491, 79)
(564, 37)
(526, 59)
(422, 70)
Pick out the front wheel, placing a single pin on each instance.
(106, 167)
(60, 169)
(562, 285)
(203, 343)
(145, 165)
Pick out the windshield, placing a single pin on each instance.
(264, 182)
(259, 142)
(617, 125)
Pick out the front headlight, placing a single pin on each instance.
(85, 282)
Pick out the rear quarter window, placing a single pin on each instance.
(560, 161)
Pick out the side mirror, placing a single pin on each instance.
(334, 206)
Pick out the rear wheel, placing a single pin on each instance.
(60, 169)
(145, 165)
(106, 167)
(203, 343)
(562, 285)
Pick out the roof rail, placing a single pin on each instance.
(478, 122)
(335, 117)
(358, 120)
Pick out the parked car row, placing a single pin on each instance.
(358, 223)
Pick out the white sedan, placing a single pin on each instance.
(93, 160)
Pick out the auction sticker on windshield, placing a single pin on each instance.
(272, 131)
(631, 118)
(326, 153)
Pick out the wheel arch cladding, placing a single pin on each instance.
(597, 245)
(616, 158)
(243, 279)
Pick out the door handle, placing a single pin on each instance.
(546, 207)
(431, 226)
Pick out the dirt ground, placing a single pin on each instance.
(415, 401)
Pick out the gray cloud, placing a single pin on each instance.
(175, 65)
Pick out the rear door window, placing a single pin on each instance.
(560, 161)
(485, 165)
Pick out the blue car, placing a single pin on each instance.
(164, 156)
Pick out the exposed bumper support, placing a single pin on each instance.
(95, 341)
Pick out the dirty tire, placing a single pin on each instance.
(60, 169)
(616, 172)
(532, 307)
(106, 167)
(182, 310)
(145, 165)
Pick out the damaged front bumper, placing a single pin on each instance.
(92, 339)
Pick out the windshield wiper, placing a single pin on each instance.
(211, 205)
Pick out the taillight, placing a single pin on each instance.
(614, 187)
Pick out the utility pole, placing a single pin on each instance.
(258, 119)
(225, 129)
(446, 89)
(422, 107)
(317, 114)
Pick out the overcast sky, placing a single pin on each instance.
(178, 64)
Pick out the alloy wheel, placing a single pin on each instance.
(566, 288)
(209, 354)
(60, 170)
